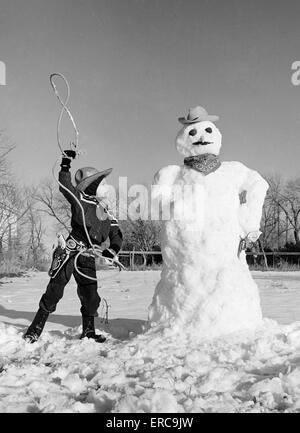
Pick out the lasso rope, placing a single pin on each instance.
(95, 249)
(64, 108)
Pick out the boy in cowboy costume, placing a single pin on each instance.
(100, 226)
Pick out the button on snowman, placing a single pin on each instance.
(206, 289)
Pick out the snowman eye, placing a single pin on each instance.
(209, 130)
(193, 132)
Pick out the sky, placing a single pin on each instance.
(135, 66)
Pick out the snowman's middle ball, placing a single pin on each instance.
(199, 138)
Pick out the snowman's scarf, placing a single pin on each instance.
(205, 164)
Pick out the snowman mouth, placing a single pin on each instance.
(201, 143)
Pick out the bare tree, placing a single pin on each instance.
(141, 235)
(7, 190)
(273, 222)
(287, 199)
(5, 148)
(10, 212)
(54, 204)
(31, 230)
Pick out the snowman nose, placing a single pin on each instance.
(193, 132)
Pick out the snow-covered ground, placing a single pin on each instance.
(136, 371)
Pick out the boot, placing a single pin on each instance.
(35, 329)
(88, 330)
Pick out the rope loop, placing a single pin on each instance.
(64, 108)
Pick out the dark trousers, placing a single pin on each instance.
(86, 289)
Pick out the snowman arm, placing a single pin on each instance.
(256, 188)
(164, 179)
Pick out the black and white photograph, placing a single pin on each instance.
(149, 209)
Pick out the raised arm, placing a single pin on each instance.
(64, 177)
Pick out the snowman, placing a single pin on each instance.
(206, 289)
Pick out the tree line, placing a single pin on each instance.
(22, 228)
(25, 213)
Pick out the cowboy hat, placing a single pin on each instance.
(197, 114)
(87, 175)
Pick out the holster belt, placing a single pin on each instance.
(61, 255)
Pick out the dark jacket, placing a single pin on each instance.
(98, 230)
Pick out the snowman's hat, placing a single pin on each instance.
(90, 177)
(197, 114)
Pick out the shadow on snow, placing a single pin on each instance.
(119, 328)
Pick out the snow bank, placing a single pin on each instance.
(150, 372)
(153, 372)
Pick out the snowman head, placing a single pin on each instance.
(198, 138)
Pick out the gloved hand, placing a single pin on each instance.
(66, 160)
(70, 153)
(109, 253)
